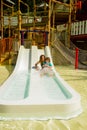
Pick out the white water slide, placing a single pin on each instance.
(27, 95)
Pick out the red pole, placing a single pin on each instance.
(76, 58)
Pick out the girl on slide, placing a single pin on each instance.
(47, 68)
(41, 62)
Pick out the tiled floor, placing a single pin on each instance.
(77, 79)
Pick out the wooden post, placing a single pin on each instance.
(22, 37)
(19, 22)
(53, 16)
(69, 24)
(45, 8)
(53, 24)
(9, 26)
(49, 15)
(34, 22)
(1, 27)
(75, 9)
(2, 19)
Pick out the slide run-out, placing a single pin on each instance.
(27, 95)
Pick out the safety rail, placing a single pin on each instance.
(79, 28)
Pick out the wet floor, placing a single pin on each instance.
(77, 79)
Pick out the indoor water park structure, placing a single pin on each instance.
(53, 27)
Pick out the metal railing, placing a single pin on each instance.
(79, 28)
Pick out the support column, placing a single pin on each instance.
(46, 38)
(1, 26)
(2, 19)
(22, 38)
(53, 28)
(34, 22)
(19, 22)
(49, 15)
(69, 24)
(9, 26)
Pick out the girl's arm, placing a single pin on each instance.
(37, 64)
(50, 65)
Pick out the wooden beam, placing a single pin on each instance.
(58, 2)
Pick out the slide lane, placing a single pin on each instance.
(15, 87)
(46, 89)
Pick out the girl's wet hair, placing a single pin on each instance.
(42, 56)
(47, 58)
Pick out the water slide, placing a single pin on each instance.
(68, 55)
(27, 95)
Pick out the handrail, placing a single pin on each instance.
(79, 28)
